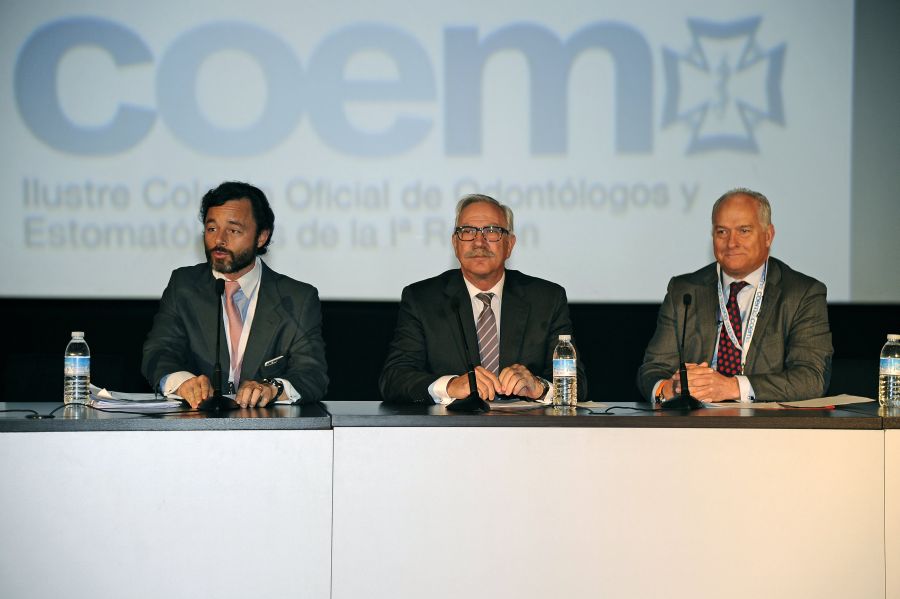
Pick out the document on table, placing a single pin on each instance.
(815, 403)
(821, 402)
(118, 400)
(515, 404)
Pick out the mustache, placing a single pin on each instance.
(479, 253)
(209, 251)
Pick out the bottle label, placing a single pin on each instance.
(564, 367)
(77, 366)
(890, 366)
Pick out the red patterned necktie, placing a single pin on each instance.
(728, 358)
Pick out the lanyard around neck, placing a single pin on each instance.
(751, 321)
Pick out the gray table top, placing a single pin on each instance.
(330, 414)
(81, 418)
(609, 414)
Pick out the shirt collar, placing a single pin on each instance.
(497, 289)
(249, 281)
(752, 279)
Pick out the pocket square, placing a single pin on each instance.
(272, 362)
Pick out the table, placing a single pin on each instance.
(718, 503)
(112, 508)
(367, 499)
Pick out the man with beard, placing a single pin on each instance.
(511, 319)
(272, 342)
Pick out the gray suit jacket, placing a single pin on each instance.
(790, 356)
(427, 343)
(287, 323)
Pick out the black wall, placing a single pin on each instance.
(611, 340)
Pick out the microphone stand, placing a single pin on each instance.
(685, 401)
(471, 403)
(217, 402)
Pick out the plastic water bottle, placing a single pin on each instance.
(889, 373)
(565, 379)
(77, 370)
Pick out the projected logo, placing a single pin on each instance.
(724, 87)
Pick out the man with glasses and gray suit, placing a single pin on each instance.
(512, 321)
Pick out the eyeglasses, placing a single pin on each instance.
(492, 233)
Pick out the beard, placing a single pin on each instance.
(234, 262)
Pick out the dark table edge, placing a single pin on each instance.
(397, 415)
(850, 419)
(10, 425)
(720, 422)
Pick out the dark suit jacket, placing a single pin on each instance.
(287, 322)
(790, 355)
(427, 342)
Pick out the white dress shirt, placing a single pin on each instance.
(745, 301)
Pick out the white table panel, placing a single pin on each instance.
(166, 514)
(892, 511)
(608, 512)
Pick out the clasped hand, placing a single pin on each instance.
(250, 394)
(513, 380)
(706, 384)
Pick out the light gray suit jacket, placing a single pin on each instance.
(286, 330)
(790, 355)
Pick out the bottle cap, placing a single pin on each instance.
(565, 337)
(78, 333)
(893, 337)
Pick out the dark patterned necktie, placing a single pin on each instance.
(488, 341)
(728, 358)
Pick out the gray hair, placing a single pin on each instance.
(474, 198)
(763, 208)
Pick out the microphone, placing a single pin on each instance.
(217, 373)
(471, 403)
(217, 401)
(685, 401)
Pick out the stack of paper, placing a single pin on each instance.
(817, 403)
(117, 400)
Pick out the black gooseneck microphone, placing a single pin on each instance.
(685, 401)
(217, 401)
(217, 373)
(472, 403)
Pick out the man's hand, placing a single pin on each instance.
(253, 393)
(488, 384)
(518, 380)
(708, 385)
(195, 390)
(513, 380)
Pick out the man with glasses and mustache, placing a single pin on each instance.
(272, 347)
(512, 321)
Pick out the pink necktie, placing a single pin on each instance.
(235, 326)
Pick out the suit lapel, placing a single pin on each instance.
(706, 315)
(771, 299)
(513, 319)
(208, 313)
(265, 320)
(456, 288)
